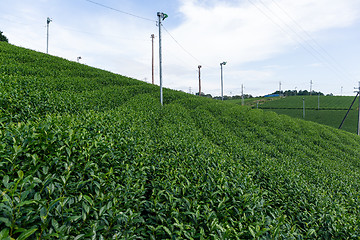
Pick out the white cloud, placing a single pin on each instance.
(237, 31)
(248, 31)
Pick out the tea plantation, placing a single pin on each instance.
(327, 110)
(87, 154)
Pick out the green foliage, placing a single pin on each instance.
(86, 154)
(311, 102)
(3, 38)
(327, 110)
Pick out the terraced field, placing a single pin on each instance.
(327, 110)
(87, 154)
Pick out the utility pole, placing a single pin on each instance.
(152, 61)
(199, 81)
(357, 94)
(358, 130)
(222, 83)
(311, 83)
(303, 108)
(242, 94)
(280, 88)
(162, 17)
(47, 35)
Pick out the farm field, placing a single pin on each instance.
(331, 118)
(88, 154)
(331, 112)
(311, 102)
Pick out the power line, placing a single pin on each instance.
(120, 11)
(181, 46)
(308, 48)
(313, 40)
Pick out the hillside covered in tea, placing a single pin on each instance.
(88, 154)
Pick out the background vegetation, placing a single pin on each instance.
(85, 153)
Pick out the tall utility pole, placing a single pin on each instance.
(47, 35)
(222, 82)
(162, 17)
(280, 89)
(242, 94)
(303, 108)
(311, 83)
(357, 94)
(152, 61)
(358, 130)
(199, 81)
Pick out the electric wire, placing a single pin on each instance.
(197, 60)
(120, 11)
(133, 15)
(339, 67)
(309, 48)
(331, 65)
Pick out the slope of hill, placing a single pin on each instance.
(89, 154)
(311, 102)
(328, 110)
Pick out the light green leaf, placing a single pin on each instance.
(89, 200)
(4, 234)
(20, 174)
(167, 230)
(6, 181)
(79, 236)
(26, 203)
(27, 234)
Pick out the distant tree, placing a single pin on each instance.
(3, 38)
(203, 95)
(300, 93)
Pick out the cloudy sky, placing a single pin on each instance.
(264, 42)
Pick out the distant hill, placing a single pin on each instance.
(88, 154)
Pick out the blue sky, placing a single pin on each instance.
(264, 41)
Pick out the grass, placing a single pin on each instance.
(327, 110)
(90, 154)
(311, 102)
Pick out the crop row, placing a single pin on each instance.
(88, 154)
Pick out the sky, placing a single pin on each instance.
(267, 44)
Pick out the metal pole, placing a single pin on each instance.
(199, 81)
(280, 89)
(160, 15)
(348, 110)
(222, 84)
(242, 95)
(152, 63)
(358, 130)
(47, 34)
(303, 108)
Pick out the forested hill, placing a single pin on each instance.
(87, 154)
